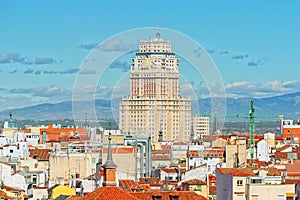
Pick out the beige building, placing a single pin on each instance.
(258, 189)
(245, 184)
(236, 153)
(65, 166)
(200, 126)
(154, 103)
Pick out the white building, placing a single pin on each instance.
(200, 126)
(154, 103)
(18, 150)
(19, 180)
(263, 150)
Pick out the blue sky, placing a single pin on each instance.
(43, 43)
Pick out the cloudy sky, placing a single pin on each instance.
(43, 44)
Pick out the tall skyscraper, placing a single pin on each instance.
(154, 104)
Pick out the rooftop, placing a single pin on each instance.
(237, 171)
(39, 154)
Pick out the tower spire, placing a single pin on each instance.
(109, 167)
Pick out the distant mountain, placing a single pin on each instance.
(287, 105)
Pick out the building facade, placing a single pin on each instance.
(154, 103)
(200, 126)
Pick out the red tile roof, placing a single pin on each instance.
(293, 169)
(126, 184)
(291, 181)
(172, 170)
(160, 157)
(119, 150)
(11, 189)
(40, 154)
(151, 181)
(237, 171)
(209, 138)
(161, 151)
(108, 193)
(281, 155)
(272, 171)
(166, 195)
(213, 153)
(283, 148)
(194, 182)
(144, 187)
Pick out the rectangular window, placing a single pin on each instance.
(254, 197)
(280, 197)
(239, 182)
(256, 181)
(239, 197)
(93, 160)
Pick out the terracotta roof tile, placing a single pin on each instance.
(272, 171)
(209, 138)
(293, 169)
(109, 193)
(283, 148)
(291, 181)
(151, 181)
(11, 189)
(172, 170)
(144, 187)
(161, 151)
(119, 150)
(166, 195)
(194, 182)
(237, 171)
(126, 184)
(160, 157)
(39, 154)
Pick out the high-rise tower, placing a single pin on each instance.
(154, 103)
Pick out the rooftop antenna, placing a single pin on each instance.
(158, 32)
(215, 120)
(85, 124)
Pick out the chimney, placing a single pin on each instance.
(109, 168)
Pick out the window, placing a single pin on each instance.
(156, 197)
(239, 197)
(174, 197)
(280, 197)
(34, 180)
(256, 181)
(239, 182)
(198, 188)
(93, 160)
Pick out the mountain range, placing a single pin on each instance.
(287, 105)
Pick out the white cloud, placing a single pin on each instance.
(117, 45)
(270, 88)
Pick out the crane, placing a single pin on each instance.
(252, 128)
(251, 132)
